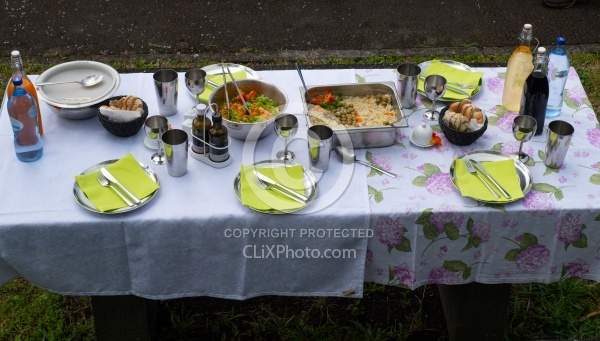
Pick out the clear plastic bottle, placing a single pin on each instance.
(23, 118)
(558, 71)
(535, 91)
(520, 65)
(16, 63)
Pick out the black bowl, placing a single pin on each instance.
(458, 138)
(122, 129)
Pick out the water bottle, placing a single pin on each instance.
(558, 70)
(23, 118)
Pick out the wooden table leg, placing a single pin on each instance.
(475, 311)
(124, 318)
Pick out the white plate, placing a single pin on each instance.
(150, 143)
(525, 178)
(420, 145)
(75, 95)
(454, 64)
(215, 69)
(87, 204)
(310, 184)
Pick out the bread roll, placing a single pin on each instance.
(456, 121)
(467, 110)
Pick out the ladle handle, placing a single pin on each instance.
(52, 83)
(392, 175)
(305, 91)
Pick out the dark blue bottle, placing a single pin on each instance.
(535, 91)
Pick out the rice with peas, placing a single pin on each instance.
(357, 111)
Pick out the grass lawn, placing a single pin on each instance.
(563, 310)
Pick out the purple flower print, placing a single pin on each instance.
(446, 214)
(495, 85)
(568, 228)
(405, 274)
(368, 257)
(578, 267)
(593, 136)
(572, 74)
(443, 251)
(562, 179)
(538, 204)
(576, 95)
(389, 231)
(533, 258)
(442, 276)
(481, 229)
(512, 147)
(505, 122)
(382, 161)
(439, 184)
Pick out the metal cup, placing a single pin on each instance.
(408, 79)
(558, 136)
(176, 150)
(165, 86)
(320, 138)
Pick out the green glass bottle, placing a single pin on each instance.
(200, 128)
(219, 140)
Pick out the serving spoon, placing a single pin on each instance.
(87, 81)
(348, 156)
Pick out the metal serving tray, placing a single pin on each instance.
(360, 137)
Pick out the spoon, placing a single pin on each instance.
(87, 81)
(348, 156)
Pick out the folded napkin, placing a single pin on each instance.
(452, 74)
(218, 78)
(504, 172)
(129, 173)
(119, 115)
(270, 200)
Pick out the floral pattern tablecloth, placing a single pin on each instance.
(436, 236)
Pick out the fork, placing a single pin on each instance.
(104, 182)
(472, 170)
(267, 187)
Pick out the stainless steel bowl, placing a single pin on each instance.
(75, 113)
(249, 131)
(73, 101)
(360, 137)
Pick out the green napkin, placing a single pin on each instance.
(452, 74)
(259, 199)
(218, 78)
(129, 173)
(504, 172)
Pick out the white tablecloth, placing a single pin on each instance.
(194, 238)
(183, 244)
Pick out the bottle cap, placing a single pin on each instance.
(527, 27)
(541, 50)
(17, 81)
(15, 53)
(561, 40)
(201, 109)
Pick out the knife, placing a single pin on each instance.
(112, 179)
(487, 175)
(282, 188)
